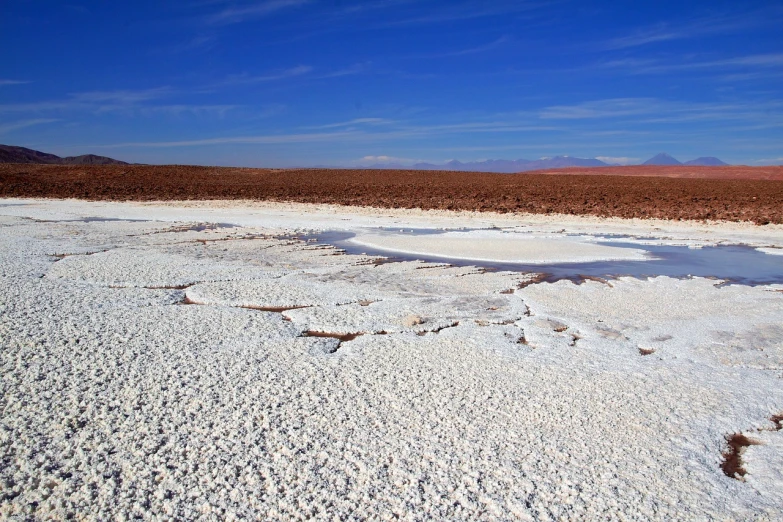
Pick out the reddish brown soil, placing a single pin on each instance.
(757, 200)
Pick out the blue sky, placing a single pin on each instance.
(343, 82)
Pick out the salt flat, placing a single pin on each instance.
(171, 368)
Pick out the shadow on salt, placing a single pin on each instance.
(736, 264)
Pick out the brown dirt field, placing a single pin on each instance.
(759, 201)
(677, 171)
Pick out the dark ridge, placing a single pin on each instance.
(170, 287)
(432, 267)
(584, 278)
(278, 309)
(482, 322)
(63, 256)
(706, 161)
(646, 351)
(662, 159)
(538, 278)
(246, 237)
(12, 154)
(438, 330)
(340, 337)
(732, 463)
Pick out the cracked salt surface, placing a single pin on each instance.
(116, 402)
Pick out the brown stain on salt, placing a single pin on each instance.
(732, 458)
(584, 278)
(277, 309)
(538, 278)
(342, 337)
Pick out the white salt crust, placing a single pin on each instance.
(503, 247)
(465, 397)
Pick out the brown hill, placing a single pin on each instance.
(629, 196)
(12, 154)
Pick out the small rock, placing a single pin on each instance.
(412, 320)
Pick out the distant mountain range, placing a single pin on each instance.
(522, 165)
(11, 154)
(499, 165)
(665, 159)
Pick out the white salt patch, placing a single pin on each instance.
(771, 251)
(732, 325)
(492, 246)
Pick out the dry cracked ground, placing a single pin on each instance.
(161, 371)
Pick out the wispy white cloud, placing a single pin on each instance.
(12, 82)
(453, 12)
(769, 161)
(611, 108)
(621, 160)
(37, 107)
(760, 60)
(345, 133)
(123, 97)
(292, 72)
(463, 52)
(350, 123)
(772, 61)
(181, 109)
(369, 6)
(653, 110)
(145, 102)
(246, 79)
(751, 76)
(384, 160)
(645, 37)
(8, 127)
(477, 126)
(238, 14)
(694, 28)
(261, 139)
(95, 101)
(357, 68)
(202, 42)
